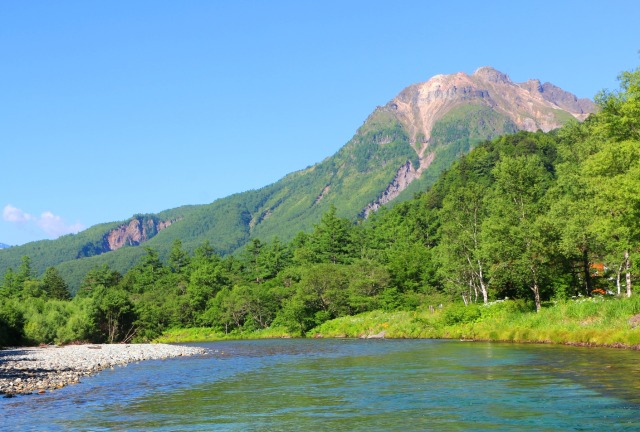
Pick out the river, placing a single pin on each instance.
(350, 385)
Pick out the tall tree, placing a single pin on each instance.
(54, 285)
(253, 252)
(619, 116)
(571, 206)
(146, 273)
(514, 235)
(10, 286)
(178, 258)
(99, 276)
(612, 173)
(114, 315)
(460, 248)
(613, 177)
(331, 241)
(25, 271)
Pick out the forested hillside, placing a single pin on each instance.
(528, 216)
(399, 151)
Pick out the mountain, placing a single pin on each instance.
(4, 246)
(401, 149)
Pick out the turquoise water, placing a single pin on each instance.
(351, 385)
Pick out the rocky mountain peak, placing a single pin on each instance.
(492, 75)
(532, 85)
(530, 105)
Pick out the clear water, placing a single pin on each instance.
(350, 385)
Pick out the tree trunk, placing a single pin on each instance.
(536, 294)
(112, 325)
(536, 291)
(587, 271)
(475, 293)
(483, 287)
(627, 268)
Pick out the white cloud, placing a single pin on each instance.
(13, 214)
(51, 224)
(54, 225)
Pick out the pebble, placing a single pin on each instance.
(38, 370)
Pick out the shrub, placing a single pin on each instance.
(11, 324)
(460, 314)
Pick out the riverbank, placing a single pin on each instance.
(589, 321)
(592, 321)
(40, 369)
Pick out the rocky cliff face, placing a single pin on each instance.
(406, 174)
(136, 231)
(132, 233)
(579, 108)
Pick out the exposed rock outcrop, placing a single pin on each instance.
(404, 177)
(136, 231)
(131, 233)
(324, 192)
(568, 101)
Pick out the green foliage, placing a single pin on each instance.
(460, 314)
(619, 118)
(11, 323)
(516, 321)
(464, 127)
(54, 286)
(331, 241)
(102, 276)
(114, 315)
(523, 216)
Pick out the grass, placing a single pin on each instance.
(207, 334)
(593, 321)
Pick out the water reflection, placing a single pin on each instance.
(353, 385)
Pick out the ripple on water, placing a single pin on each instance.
(350, 385)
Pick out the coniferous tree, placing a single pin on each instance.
(331, 241)
(102, 276)
(178, 258)
(54, 286)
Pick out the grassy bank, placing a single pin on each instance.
(208, 334)
(593, 321)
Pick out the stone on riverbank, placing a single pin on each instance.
(36, 370)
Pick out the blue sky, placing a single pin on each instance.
(115, 108)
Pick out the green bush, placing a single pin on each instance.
(461, 314)
(504, 308)
(11, 324)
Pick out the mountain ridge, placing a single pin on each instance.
(400, 149)
(486, 85)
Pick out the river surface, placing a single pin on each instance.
(350, 385)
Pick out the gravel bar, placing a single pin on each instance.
(37, 370)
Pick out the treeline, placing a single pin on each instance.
(534, 216)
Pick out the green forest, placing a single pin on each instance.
(536, 220)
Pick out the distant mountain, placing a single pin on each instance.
(401, 149)
(4, 246)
